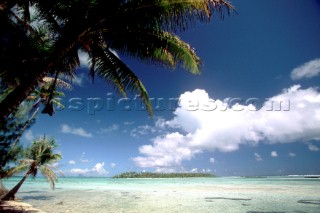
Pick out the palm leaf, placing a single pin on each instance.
(156, 47)
(60, 83)
(172, 15)
(112, 69)
(50, 175)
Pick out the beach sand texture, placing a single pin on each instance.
(18, 207)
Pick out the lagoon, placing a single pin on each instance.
(221, 194)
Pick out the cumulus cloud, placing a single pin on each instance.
(75, 131)
(258, 157)
(274, 154)
(112, 165)
(98, 169)
(307, 70)
(72, 162)
(204, 124)
(166, 151)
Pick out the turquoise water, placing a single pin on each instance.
(226, 194)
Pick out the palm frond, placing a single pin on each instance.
(113, 70)
(60, 83)
(172, 15)
(17, 170)
(156, 47)
(50, 175)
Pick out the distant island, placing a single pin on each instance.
(161, 175)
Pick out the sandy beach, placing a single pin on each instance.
(17, 207)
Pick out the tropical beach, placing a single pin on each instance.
(221, 194)
(159, 106)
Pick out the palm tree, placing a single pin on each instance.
(144, 29)
(39, 156)
(41, 96)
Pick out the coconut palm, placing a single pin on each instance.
(39, 157)
(143, 29)
(46, 95)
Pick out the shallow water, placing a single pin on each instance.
(251, 195)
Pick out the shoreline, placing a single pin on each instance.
(18, 207)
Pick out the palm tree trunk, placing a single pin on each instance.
(14, 190)
(21, 92)
(18, 95)
(24, 128)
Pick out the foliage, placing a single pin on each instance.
(39, 156)
(21, 120)
(161, 175)
(49, 43)
(10, 131)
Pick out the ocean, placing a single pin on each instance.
(221, 194)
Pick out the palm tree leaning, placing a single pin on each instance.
(39, 157)
(143, 29)
(41, 96)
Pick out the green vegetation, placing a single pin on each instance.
(38, 157)
(42, 38)
(161, 175)
(24, 117)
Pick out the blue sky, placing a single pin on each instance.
(269, 52)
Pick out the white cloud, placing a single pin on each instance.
(79, 171)
(205, 124)
(84, 59)
(142, 130)
(98, 168)
(313, 148)
(29, 135)
(274, 154)
(206, 170)
(112, 128)
(159, 127)
(72, 162)
(258, 157)
(291, 154)
(194, 170)
(75, 131)
(307, 70)
(165, 170)
(112, 165)
(166, 151)
(212, 160)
